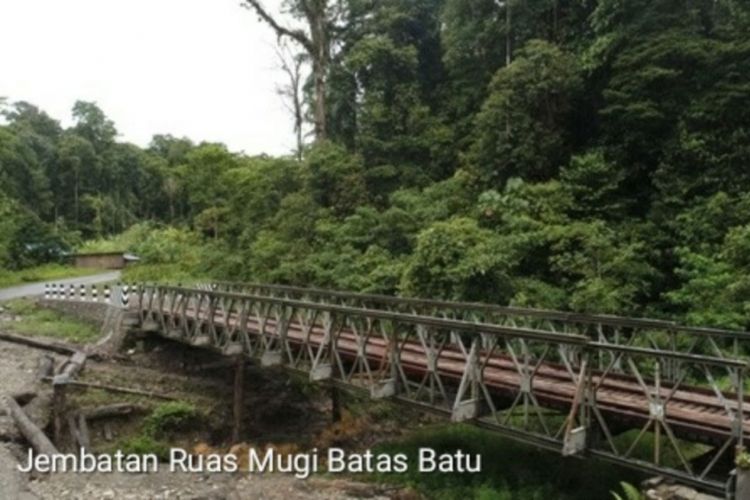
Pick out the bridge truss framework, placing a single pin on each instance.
(648, 394)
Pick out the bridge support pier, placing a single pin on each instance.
(238, 398)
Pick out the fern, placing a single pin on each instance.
(630, 492)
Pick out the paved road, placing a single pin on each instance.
(38, 288)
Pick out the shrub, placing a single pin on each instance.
(144, 445)
(169, 417)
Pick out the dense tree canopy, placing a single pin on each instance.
(584, 155)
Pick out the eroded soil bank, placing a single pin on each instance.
(279, 411)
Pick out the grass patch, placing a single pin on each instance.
(91, 397)
(142, 444)
(46, 272)
(159, 429)
(510, 470)
(644, 448)
(34, 320)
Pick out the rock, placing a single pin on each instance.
(652, 483)
(676, 492)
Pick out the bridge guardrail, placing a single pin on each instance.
(119, 294)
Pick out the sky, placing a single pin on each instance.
(205, 69)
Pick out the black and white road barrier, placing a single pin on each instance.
(119, 294)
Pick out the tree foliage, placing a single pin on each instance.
(581, 155)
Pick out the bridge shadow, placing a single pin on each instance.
(277, 407)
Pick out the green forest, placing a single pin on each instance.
(578, 155)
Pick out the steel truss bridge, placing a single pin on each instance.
(648, 394)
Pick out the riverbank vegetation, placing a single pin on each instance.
(509, 470)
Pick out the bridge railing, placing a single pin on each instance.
(617, 330)
(563, 391)
(652, 423)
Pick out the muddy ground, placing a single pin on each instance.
(280, 411)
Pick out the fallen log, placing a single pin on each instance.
(21, 397)
(30, 431)
(114, 388)
(56, 347)
(67, 372)
(113, 410)
(38, 344)
(70, 368)
(39, 409)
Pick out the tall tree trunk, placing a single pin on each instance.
(317, 22)
(291, 64)
(317, 45)
(298, 129)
